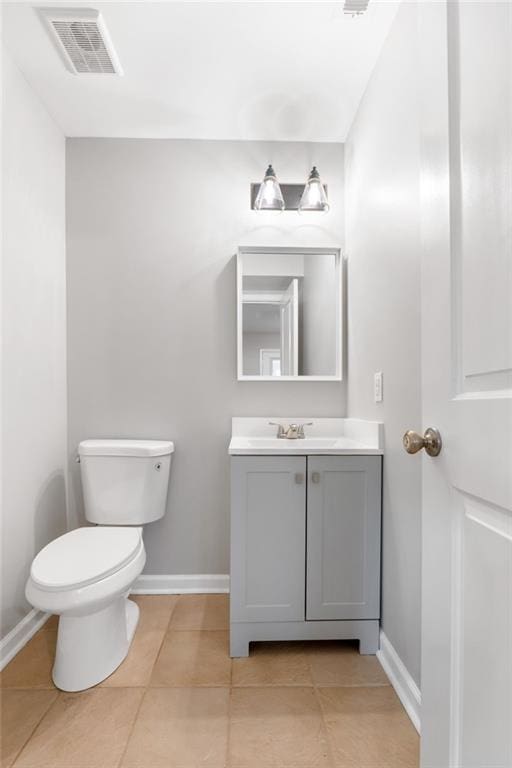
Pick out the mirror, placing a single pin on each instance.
(289, 314)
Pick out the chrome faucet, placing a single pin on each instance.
(281, 431)
(292, 431)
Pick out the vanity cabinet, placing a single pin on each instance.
(268, 538)
(343, 537)
(305, 549)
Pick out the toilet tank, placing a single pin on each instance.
(125, 482)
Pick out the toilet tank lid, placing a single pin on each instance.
(125, 447)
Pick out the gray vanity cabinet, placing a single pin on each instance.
(268, 537)
(305, 549)
(343, 537)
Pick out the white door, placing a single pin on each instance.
(466, 190)
(290, 330)
(270, 362)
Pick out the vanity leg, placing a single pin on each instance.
(369, 640)
(238, 642)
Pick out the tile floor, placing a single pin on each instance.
(178, 701)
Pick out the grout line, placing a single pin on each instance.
(175, 603)
(146, 688)
(310, 667)
(194, 629)
(36, 726)
(123, 753)
(162, 641)
(29, 688)
(316, 692)
(230, 714)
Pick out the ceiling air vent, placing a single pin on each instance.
(355, 7)
(82, 40)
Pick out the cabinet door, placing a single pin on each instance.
(268, 538)
(343, 537)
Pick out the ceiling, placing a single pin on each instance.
(262, 70)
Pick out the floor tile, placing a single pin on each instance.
(369, 728)
(277, 728)
(291, 705)
(201, 612)
(83, 730)
(21, 711)
(193, 658)
(180, 727)
(32, 666)
(155, 610)
(341, 664)
(51, 624)
(273, 664)
(136, 669)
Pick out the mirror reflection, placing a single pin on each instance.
(289, 314)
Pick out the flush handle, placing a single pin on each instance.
(431, 441)
(299, 478)
(315, 477)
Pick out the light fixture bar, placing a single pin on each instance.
(355, 7)
(292, 194)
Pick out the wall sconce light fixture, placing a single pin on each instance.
(269, 197)
(314, 197)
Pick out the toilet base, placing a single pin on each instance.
(90, 647)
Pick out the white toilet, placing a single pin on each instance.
(85, 576)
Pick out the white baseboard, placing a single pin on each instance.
(176, 584)
(19, 636)
(405, 687)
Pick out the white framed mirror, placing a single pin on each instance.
(289, 314)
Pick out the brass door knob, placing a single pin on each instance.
(431, 441)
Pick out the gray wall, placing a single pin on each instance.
(34, 346)
(152, 229)
(383, 245)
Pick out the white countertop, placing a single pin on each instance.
(255, 437)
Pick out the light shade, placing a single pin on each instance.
(269, 197)
(314, 197)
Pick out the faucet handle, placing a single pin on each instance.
(301, 428)
(281, 432)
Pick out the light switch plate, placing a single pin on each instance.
(377, 387)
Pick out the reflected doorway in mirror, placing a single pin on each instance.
(270, 362)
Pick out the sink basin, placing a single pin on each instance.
(294, 445)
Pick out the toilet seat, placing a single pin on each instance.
(85, 556)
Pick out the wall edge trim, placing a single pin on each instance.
(181, 584)
(401, 680)
(19, 635)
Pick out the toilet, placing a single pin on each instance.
(85, 576)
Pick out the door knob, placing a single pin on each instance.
(431, 441)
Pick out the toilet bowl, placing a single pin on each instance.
(85, 576)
